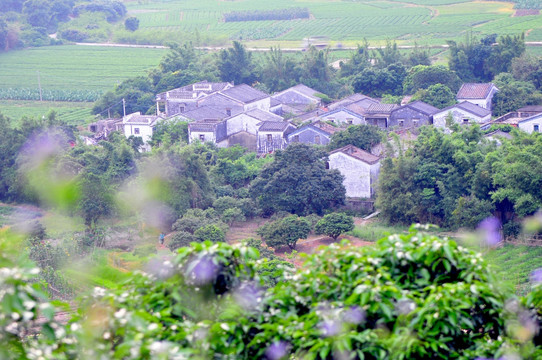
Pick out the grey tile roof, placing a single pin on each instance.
(531, 108)
(263, 115)
(474, 90)
(205, 112)
(193, 91)
(349, 100)
(202, 126)
(423, 107)
(244, 93)
(381, 108)
(137, 118)
(469, 107)
(274, 126)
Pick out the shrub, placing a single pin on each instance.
(211, 233)
(334, 225)
(181, 239)
(286, 231)
(145, 250)
(233, 214)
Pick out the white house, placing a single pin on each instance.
(273, 136)
(462, 113)
(359, 168)
(477, 94)
(531, 124)
(140, 125)
(343, 116)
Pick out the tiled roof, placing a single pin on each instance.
(263, 115)
(423, 107)
(205, 112)
(530, 118)
(357, 153)
(531, 108)
(274, 126)
(313, 128)
(342, 110)
(474, 91)
(202, 126)
(274, 102)
(327, 128)
(381, 108)
(191, 91)
(244, 93)
(349, 100)
(305, 90)
(137, 118)
(218, 99)
(469, 107)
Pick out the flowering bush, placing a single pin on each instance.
(411, 296)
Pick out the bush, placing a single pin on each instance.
(131, 24)
(181, 239)
(211, 233)
(145, 250)
(286, 231)
(334, 225)
(233, 214)
(73, 35)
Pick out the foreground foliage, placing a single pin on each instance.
(410, 296)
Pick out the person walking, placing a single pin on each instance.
(161, 239)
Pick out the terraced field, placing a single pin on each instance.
(74, 113)
(408, 21)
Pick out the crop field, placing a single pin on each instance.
(74, 113)
(71, 73)
(421, 21)
(514, 264)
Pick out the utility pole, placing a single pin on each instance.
(124, 106)
(39, 84)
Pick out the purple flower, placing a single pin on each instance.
(354, 315)
(490, 228)
(536, 276)
(330, 328)
(277, 350)
(248, 295)
(202, 271)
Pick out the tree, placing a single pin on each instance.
(298, 182)
(422, 77)
(236, 65)
(211, 233)
(438, 95)
(361, 136)
(96, 200)
(377, 82)
(512, 94)
(181, 239)
(287, 231)
(131, 23)
(335, 224)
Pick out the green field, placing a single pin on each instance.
(514, 264)
(71, 67)
(348, 22)
(74, 113)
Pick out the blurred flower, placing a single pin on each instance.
(490, 229)
(248, 295)
(202, 271)
(405, 306)
(277, 350)
(536, 276)
(354, 315)
(160, 268)
(330, 327)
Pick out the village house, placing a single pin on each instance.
(141, 126)
(343, 117)
(310, 134)
(529, 110)
(359, 168)
(349, 100)
(273, 136)
(477, 94)
(379, 114)
(182, 99)
(102, 128)
(462, 113)
(532, 124)
(413, 114)
(298, 99)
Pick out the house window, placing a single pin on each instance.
(536, 128)
(332, 119)
(317, 139)
(202, 137)
(415, 122)
(401, 122)
(181, 109)
(296, 138)
(269, 137)
(136, 131)
(228, 112)
(349, 121)
(465, 121)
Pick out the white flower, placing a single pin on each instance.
(153, 326)
(107, 335)
(120, 314)
(15, 316)
(29, 304)
(75, 327)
